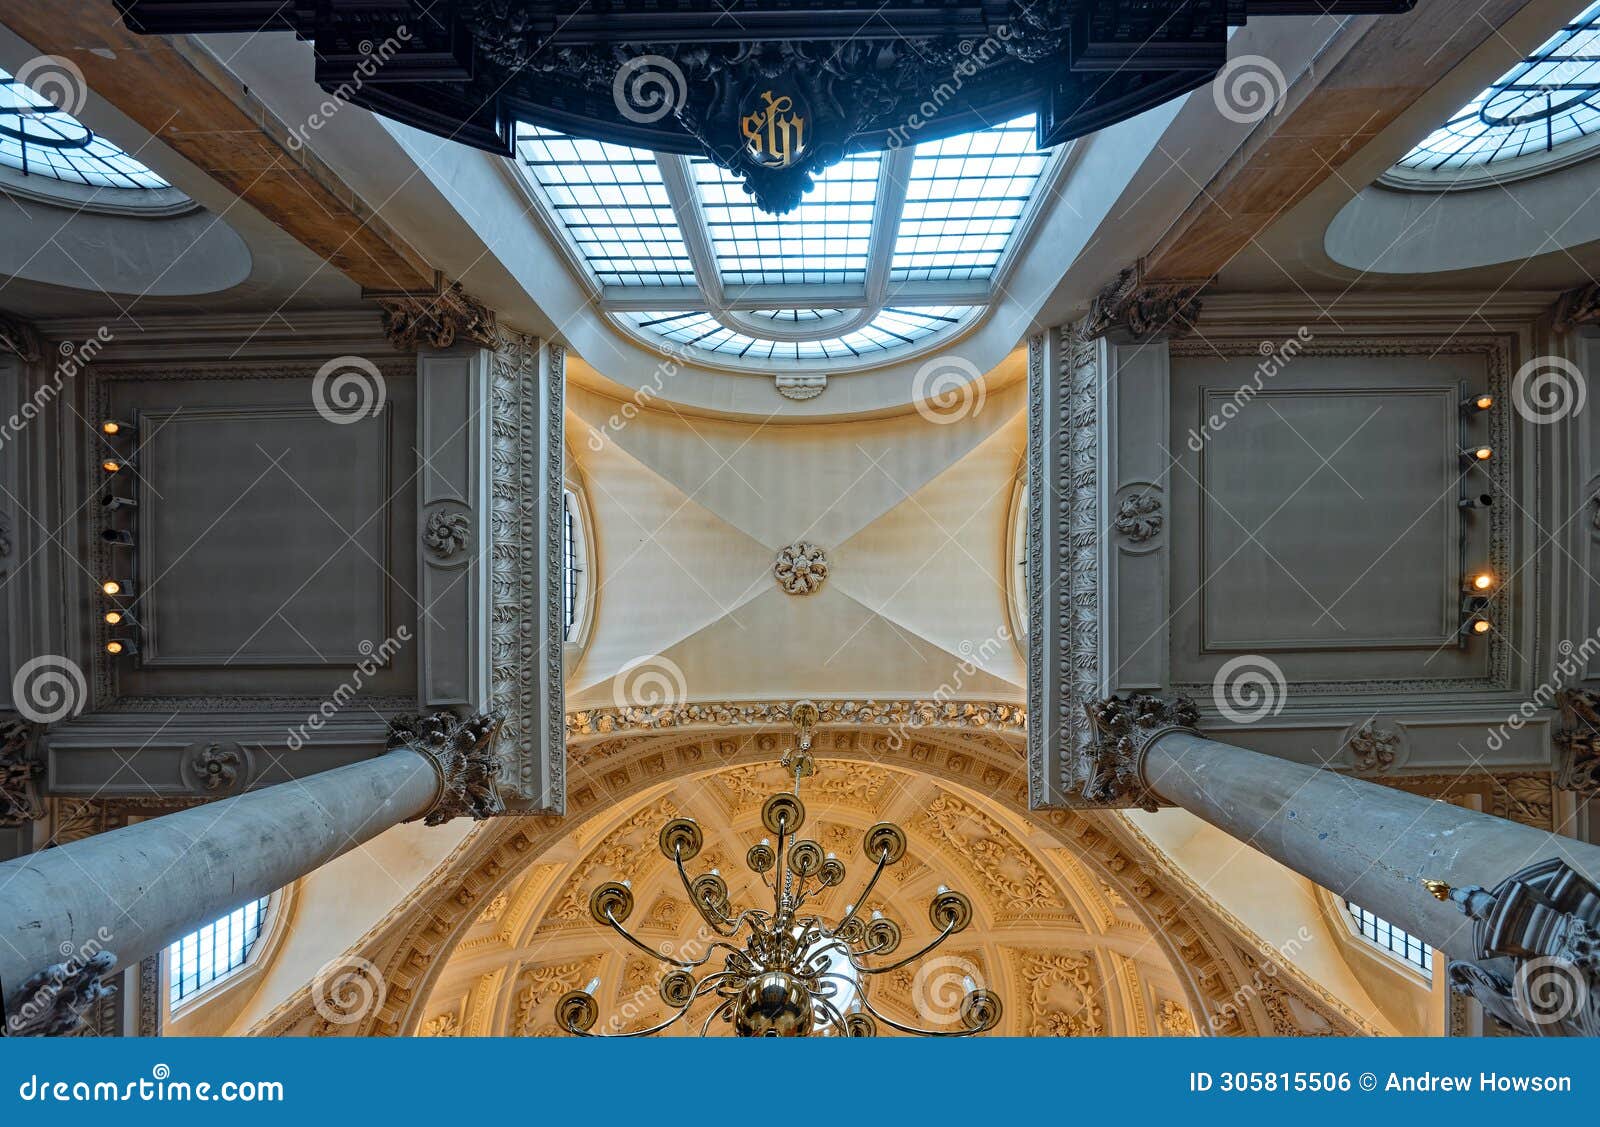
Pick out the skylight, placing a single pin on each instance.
(887, 251)
(1545, 107)
(39, 139)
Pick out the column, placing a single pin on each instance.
(1516, 909)
(68, 914)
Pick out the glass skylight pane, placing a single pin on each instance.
(890, 329)
(41, 140)
(1549, 99)
(207, 956)
(824, 240)
(614, 206)
(963, 201)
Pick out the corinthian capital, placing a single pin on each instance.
(1142, 309)
(463, 755)
(437, 320)
(1112, 772)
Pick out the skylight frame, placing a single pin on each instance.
(848, 315)
(1465, 151)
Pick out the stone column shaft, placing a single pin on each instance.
(1371, 843)
(68, 913)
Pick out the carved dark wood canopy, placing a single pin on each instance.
(773, 90)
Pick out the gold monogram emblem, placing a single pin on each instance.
(775, 131)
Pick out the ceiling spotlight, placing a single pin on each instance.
(1479, 626)
(1475, 403)
(117, 587)
(120, 537)
(113, 502)
(1475, 454)
(122, 647)
(120, 618)
(115, 465)
(1480, 583)
(117, 429)
(1481, 501)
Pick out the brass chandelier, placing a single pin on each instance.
(796, 975)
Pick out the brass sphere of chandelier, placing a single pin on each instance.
(794, 971)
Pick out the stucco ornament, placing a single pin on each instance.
(463, 754)
(447, 533)
(801, 568)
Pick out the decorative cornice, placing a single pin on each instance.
(1113, 772)
(19, 794)
(19, 338)
(1579, 743)
(1142, 309)
(890, 715)
(1577, 307)
(437, 320)
(463, 755)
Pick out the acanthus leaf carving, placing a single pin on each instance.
(437, 320)
(463, 755)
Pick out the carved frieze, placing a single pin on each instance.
(1143, 310)
(1579, 743)
(909, 714)
(19, 771)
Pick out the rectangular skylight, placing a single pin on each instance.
(613, 204)
(963, 201)
(824, 240)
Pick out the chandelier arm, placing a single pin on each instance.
(856, 904)
(911, 958)
(712, 1016)
(654, 1029)
(705, 910)
(778, 874)
(654, 954)
(866, 1004)
(834, 1017)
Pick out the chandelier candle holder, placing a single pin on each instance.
(795, 974)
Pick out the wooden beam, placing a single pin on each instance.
(191, 104)
(1327, 117)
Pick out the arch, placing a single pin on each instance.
(1229, 979)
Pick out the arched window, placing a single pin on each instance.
(572, 562)
(39, 138)
(203, 958)
(1402, 945)
(1540, 113)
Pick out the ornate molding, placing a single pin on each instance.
(216, 767)
(447, 533)
(19, 771)
(527, 619)
(438, 320)
(1113, 772)
(463, 755)
(801, 385)
(1576, 307)
(1537, 934)
(905, 715)
(1376, 749)
(1579, 743)
(1144, 310)
(20, 339)
(801, 568)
